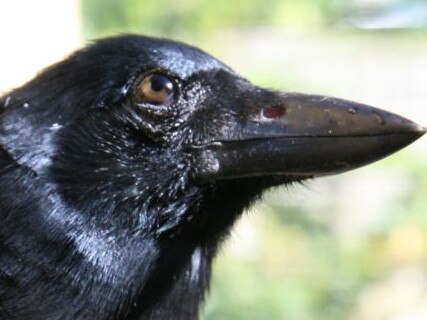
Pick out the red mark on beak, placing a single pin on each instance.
(273, 112)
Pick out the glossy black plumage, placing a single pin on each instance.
(112, 207)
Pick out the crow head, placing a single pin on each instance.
(154, 139)
(136, 122)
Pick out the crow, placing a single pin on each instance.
(124, 166)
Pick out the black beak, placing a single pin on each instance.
(307, 135)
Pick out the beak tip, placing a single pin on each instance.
(413, 132)
(418, 130)
(407, 126)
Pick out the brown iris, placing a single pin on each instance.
(156, 88)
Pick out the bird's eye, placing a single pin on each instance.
(156, 88)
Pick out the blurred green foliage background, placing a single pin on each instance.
(175, 18)
(348, 247)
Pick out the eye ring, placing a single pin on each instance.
(156, 88)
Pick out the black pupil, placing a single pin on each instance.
(160, 82)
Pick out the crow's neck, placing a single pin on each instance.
(165, 274)
(154, 261)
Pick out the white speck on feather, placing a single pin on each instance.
(195, 263)
(55, 126)
(26, 105)
(7, 101)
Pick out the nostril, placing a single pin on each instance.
(273, 112)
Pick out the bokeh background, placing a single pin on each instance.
(350, 247)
